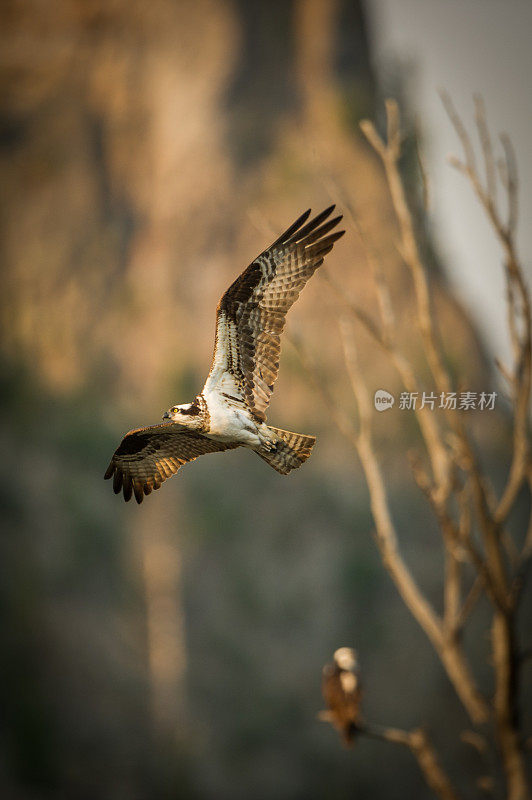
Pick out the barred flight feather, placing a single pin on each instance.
(148, 456)
(251, 314)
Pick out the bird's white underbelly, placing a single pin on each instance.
(230, 423)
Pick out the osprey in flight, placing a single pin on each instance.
(230, 410)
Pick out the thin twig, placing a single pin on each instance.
(419, 744)
(487, 149)
(469, 603)
(421, 161)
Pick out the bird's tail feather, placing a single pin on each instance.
(292, 450)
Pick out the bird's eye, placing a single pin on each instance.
(174, 409)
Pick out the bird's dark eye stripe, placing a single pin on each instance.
(189, 411)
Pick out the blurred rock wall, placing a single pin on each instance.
(148, 152)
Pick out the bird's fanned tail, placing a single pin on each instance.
(291, 451)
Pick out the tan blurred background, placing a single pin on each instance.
(466, 47)
(149, 151)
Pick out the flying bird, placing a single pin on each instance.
(341, 691)
(230, 411)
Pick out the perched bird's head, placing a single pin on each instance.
(188, 414)
(345, 658)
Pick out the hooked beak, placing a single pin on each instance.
(166, 415)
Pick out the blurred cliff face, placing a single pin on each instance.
(148, 152)
(113, 160)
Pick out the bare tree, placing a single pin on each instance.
(483, 554)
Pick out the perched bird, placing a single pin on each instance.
(230, 411)
(340, 687)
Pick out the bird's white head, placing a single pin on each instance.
(187, 414)
(345, 658)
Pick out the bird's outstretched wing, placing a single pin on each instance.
(251, 314)
(148, 456)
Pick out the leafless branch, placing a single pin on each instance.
(425, 182)
(386, 535)
(419, 744)
(472, 517)
(519, 310)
